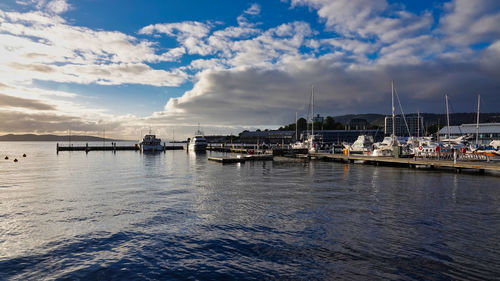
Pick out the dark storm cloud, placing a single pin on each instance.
(258, 96)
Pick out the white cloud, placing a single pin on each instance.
(467, 22)
(58, 6)
(47, 48)
(252, 11)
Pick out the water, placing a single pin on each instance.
(132, 216)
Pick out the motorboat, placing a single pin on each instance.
(198, 142)
(151, 143)
(363, 144)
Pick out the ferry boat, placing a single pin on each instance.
(198, 142)
(151, 143)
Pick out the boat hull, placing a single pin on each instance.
(149, 147)
(197, 147)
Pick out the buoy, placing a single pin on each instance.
(15, 160)
(6, 158)
(24, 155)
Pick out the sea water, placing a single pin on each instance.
(175, 215)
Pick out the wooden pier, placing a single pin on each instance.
(480, 166)
(111, 147)
(227, 160)
(241, 158)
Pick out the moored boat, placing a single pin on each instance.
(198, 142)
(151, 143)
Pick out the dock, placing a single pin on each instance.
(480, 166)
(227, 160)
(241, 159)
(111, 147)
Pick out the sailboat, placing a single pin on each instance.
(452, 143)
(386, 146)
(490, 150)
(312, 141)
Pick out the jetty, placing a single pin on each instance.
(241, 158)
(112, 147)
(414, 162)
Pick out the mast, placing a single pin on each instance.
(477, 123)
(448, 119)
(312, 111)
(418, 124)
(296, 127)
(393, 111)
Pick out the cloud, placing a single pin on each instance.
(466, 22)
(10, 101)
(256, 96)
(36, 45)
(252, 11)
(58, 6)
(21, 122)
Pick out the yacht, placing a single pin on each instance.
(198, 142)
(362, 145)
(151, 143)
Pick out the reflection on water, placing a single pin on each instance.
(174, 215)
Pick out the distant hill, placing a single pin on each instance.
(33, 137)
(429, 118)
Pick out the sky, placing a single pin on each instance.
(170, 66)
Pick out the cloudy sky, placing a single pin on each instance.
(125, 66)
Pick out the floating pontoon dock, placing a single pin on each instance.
(481, 166)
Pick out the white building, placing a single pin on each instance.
(487, 131)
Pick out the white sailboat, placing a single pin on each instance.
(312, 141)
(386, 147)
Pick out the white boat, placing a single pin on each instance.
(198, 142)
(312, 142)
(495, 144)
(151, 143)
(363, 144)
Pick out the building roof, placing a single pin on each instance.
(484, 128)
(266, 134)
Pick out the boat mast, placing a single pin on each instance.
(418, 124)
(312, 111)
(393, 111)
(477, 123)
(448, 119)
(296, 127)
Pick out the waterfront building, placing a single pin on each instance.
(268, 137)
(358, 124)
(327, 136)
(349, 136)
(487, 132)
(401, 130)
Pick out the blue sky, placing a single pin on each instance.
(231, 65)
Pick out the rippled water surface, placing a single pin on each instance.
(174, 215)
